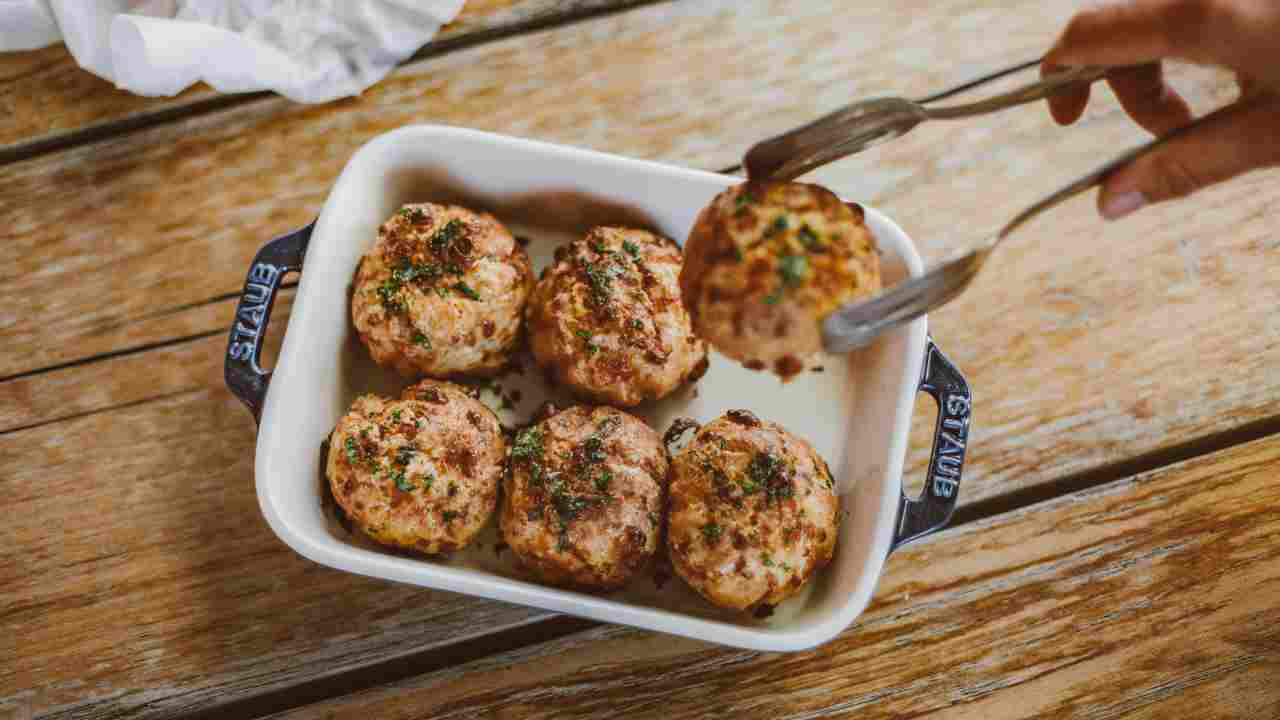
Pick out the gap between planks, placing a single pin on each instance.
(21, 151)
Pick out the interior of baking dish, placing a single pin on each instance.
(856, 412)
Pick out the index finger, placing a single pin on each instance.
(1135, 32)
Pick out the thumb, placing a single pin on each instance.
(1234, 140)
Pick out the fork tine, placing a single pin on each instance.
(854, 325)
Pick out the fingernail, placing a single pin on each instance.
(1117, 206)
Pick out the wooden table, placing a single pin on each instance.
(1117, 552)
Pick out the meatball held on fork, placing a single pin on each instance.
(766, 262)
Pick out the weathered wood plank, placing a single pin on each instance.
(45, 96)
(1147, 597)
(141, 579)
(1085, 343)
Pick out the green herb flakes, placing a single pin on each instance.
(352, 449)
(449, 515)
(791, 268)
(442, 239)
(465, 289)
(711, 532)
(527, 446)
(809, 237)
(401, 482)
(421, 340)
(631, 248)
(603, 480)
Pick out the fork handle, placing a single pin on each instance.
(1030, 92)
(1096, 177)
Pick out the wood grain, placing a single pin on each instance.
(140, 577)
(1148, 597)
(45, 95)
(1075, 363)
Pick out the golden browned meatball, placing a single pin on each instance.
(606, 319)
(441, 292)
(766, 262)
(753, 512)
(419, 473)
(584, 497)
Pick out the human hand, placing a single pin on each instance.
(1240, 35)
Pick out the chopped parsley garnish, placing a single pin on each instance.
(600, 281)
(766, 559)
(465, 289)
(603, 480)
(388, 293)
(584, 334)
(599, 248)
(763, 467)
(397, 476)
(427, 480)
(737, 254)
(395, 415)
(449, 515)
(779, 224)
(421, 340)
(442, 292)
(791, 269)
(408, 272)
(711, 532)
(772, 298)
(809, 237)
(404, 455)
(413, 214)
(352, 449)
(593, 449)
(527, 445)
(632, 249)
(570, 506)
(636, 324)
(442, 239)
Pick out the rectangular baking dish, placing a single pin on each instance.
(857, 413)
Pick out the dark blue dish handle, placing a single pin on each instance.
(244, 374)
(918, 517)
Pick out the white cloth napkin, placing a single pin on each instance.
(307, 50)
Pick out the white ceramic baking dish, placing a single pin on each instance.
(856, 413)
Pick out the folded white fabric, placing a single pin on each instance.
(307, 50)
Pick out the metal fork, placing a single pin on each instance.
(861, 125)
(856, 325)
(870, 122)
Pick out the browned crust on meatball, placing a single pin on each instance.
(420, 473)
(442, 292)
(753, 513)
(765, 262)
(606, 319)
(583, 498)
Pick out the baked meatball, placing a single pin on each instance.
(606, 319)
(441, 292)
(766, 262)
(753, 512)
(584, 496)
(419, 473)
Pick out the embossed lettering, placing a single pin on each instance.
(955, 424)
(944, 487)
(264, 273)
(256, 294)
(253, 314)
(957, 405)
(951, 444)
(240, 351)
